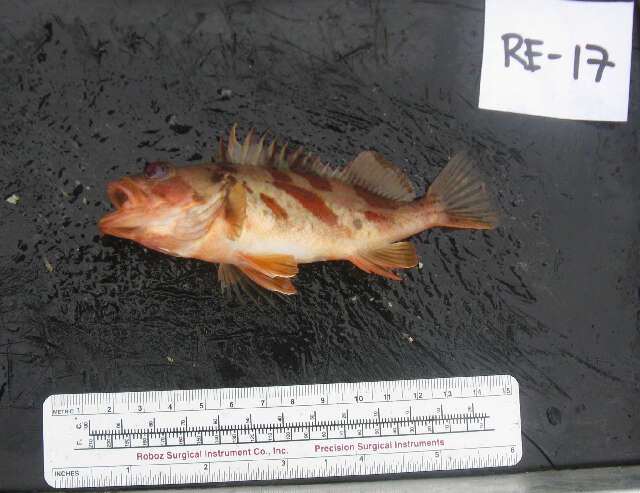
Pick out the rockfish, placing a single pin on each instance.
(260, 209)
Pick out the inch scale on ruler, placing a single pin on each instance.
(271, 433)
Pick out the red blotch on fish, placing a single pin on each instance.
(310, 201)
(318, 182)
(375, 217)
(281, 176)
(271, 203)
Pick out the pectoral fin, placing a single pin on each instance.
(236, 210)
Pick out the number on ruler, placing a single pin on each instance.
(241, 428)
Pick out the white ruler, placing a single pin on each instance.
(272, 433)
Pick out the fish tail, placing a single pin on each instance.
(458, 197)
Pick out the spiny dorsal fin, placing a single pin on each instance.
(369, 170)
(252, 152)
(256, 152)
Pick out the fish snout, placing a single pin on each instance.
(126, 197)
(119, 223)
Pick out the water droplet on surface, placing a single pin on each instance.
(554, 416)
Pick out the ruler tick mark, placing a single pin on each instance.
(313, 420)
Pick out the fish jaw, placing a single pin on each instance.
(128, 218)
(170, 216)
(141, 216)
(153, 230)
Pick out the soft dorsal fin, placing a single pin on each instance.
(369, 170)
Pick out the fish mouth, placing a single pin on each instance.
(124, 193)
(127, 198)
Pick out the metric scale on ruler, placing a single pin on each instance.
(271, 433)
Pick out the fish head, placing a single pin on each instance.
(164, 208)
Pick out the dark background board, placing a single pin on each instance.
(90, 91)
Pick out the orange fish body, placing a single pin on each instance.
(259, 210)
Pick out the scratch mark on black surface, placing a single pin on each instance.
(283, 17)
(43, 100)
(591, 366)
(293, 45)
(354, 51)
(539, 448)
(451, 4)
(47, 38)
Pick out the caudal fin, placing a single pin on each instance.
(459, 195)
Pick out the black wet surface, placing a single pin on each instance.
(90, 92)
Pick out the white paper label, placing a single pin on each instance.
(557, 58)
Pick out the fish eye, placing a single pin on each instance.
(158, 170)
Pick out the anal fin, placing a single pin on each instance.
(272, 265)
(279, 284)
(400, 255)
